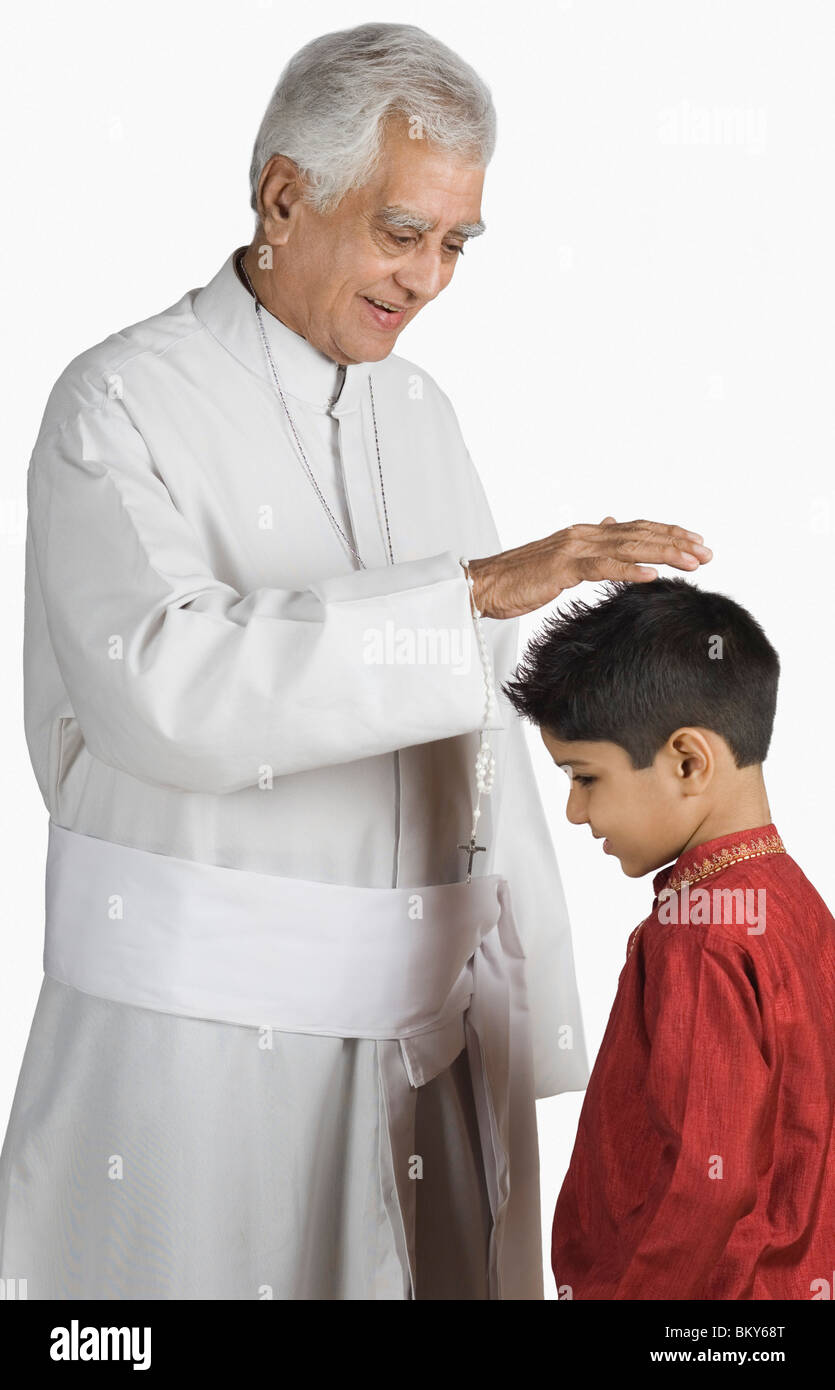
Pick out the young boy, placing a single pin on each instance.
(704, 1164)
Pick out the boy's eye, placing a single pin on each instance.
(584, 781)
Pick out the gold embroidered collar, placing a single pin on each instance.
(690, 869)
(699, 862)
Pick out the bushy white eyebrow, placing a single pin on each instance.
(400, 217)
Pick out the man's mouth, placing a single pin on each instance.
(385, 314)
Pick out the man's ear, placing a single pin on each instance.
(279, 191)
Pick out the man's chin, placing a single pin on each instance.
(373, 347)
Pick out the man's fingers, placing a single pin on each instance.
(637, 574)
(653, 541)
(622, 569)
(636, 549)
(657, 526)
(596, 567)
(684, 560)
(638, 530)
(685, 540)
(654, 553)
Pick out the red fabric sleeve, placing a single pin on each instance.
(707, 1089)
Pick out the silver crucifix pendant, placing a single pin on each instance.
(472, 849)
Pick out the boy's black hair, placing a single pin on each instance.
(644, 662)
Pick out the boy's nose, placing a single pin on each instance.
(574, 813)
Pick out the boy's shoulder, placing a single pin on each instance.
(753, 902)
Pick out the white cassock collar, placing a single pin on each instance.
(226, 307)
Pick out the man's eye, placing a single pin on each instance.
(410, 241)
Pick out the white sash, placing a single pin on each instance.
(425, 971)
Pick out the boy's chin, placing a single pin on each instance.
(635, 866)
(638, 865)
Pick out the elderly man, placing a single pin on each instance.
(293, 1024)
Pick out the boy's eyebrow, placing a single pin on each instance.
(574, 762)
(397, 216)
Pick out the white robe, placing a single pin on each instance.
(197, 684)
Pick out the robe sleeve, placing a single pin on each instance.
(707, 1090)
(180, 680)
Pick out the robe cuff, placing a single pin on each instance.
(415, 618)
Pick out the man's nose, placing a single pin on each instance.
(424, 275)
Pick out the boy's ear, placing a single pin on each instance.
(691, 760)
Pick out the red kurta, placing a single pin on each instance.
(704, 1164)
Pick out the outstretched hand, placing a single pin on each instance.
(518, 581)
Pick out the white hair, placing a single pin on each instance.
(329, 110)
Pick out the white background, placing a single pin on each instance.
(646, 329)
